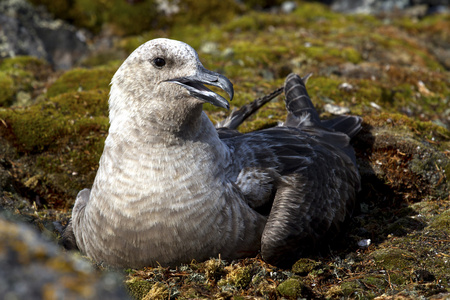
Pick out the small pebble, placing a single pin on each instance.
(288, 6)
(346, 86)
(364, 243)
(374, 105)
(336, 109)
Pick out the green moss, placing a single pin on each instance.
(365, 288)
(137, 288)
(159, 291)
(54, 123)
(313, 11)
(28, 63)
(32, 129)
(376, 283)
(255, 21)
(433, 25)
(351, 288)
(239, 277)
(257, 125)
(205, 12)
(21, 76)
(253, 55)
(214, 269)
(129, 18)
(126, 17)
(332, 54)
(394, 259)
(87, 103)
(108, 58)
(426, 164)
(403, 226)
(82, 80)
(131, 43)
(292, 288)
(442, 222)
(304, 266)
(6, 89)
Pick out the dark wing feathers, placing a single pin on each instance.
(237, 117)
(317, 178)
(299, 105)
(227, 128)
(350, 125)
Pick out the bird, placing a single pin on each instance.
(171, 187)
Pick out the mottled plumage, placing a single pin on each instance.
(171, 187)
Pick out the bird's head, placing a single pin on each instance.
(167, 72)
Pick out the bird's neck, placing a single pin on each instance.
(165, 124)
(156, 165)
(181, 121)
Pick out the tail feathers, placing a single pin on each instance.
(301, 111)
(68, 240)
(350, 125)
(237, 117)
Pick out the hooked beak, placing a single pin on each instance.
(194, 84)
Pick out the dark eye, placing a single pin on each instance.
(159, 62)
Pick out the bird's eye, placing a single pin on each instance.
(159, 62)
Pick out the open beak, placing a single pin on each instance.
(194, 84)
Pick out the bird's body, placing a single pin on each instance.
(171, 187)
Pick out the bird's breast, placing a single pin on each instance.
(168, 204)
(159, 181)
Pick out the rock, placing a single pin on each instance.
(305, 265)
(386, 6)
(364, 243)
(368, 6)
(34, 268)
(292, 288)
(288, 6)
(336, 109)
(27, 30)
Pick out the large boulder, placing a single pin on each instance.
(388, 6)
(32, 267)
(26, 30)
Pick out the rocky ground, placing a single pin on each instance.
(393, 70)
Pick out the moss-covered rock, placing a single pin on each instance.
(22, 78)
(6, 89)
(137, 288)
(442, 222)
(396, 262)
(159, 291)
(51, 124)
(214, 269)
(304, 265)
(79, 79)
(238, 277)
(291, 288)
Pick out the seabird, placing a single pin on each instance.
(171, 187)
